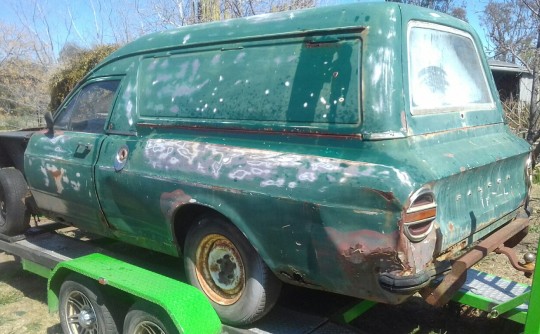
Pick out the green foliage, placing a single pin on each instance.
(75, 69)
(536, 175)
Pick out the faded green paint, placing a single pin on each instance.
(189, 310)
(298, 128)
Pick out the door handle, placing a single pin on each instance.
(82, 148)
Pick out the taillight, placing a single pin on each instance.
(419, 217)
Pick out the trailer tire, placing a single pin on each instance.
(146, 318)
(14, 215)
(83, 308)
(221, 262)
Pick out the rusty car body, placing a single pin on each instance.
(358, 149)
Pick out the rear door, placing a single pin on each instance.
(456, 128)
(60, 166)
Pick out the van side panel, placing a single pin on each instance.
(308, 82)
(308, 51)
(302, 211)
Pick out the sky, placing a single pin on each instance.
(83, 29)
(474, 12)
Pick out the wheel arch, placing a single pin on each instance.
(122, 299)
(187, 215)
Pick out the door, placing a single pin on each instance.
(60, 166)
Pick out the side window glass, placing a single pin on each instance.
(89, 109)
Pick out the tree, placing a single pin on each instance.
(23, 80)
(64, 80)
(513, 27)
(510, 28)
(445, 6)
(156, 15)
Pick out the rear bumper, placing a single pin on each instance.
(440, 294)
(404, 284)
(445, 289)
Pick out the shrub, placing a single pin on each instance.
(74, 70)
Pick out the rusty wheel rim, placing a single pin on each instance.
(219, 269)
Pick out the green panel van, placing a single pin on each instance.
(356, 149)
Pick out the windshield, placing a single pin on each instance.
(445, 72)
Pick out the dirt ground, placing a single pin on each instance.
(23, 301)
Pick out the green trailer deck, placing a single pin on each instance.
(499, 296)
(53, 255)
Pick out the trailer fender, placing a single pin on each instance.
(187, 307)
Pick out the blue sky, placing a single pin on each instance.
(83, 31)
(474, 12)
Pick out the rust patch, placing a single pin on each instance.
(172, 200)
(293, 274)
(388, 196)
(364, 245)
(452, 251)
(57, 175)
(403, 120)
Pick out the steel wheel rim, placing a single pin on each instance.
(148, 327)
(80, 315)
(220, 270)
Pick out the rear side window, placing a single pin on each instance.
(445, 71)
(285, 82)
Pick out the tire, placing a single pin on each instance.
(83, 309)
(240, 286)
(146, 318)
(14, 215)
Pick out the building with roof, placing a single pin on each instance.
(512, 81)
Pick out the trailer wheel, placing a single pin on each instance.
(223, 264)
(82, 308)
(14, 216)
(146, 318)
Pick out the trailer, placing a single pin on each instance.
(99, 286)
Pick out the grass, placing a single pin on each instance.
(10, 296)
(34, 327)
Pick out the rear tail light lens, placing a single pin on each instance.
(419, 218)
